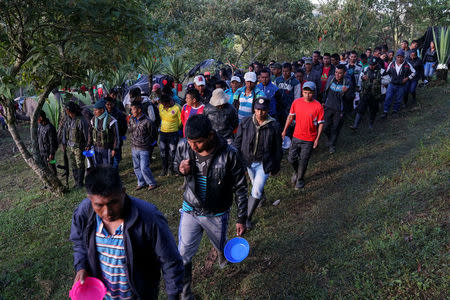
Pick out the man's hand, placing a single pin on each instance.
(316, 143)
(344, 88)
(87, 148)
(185, 167)
(81, 275)
(113, 152)
(365, 77)
(240, 229)
(283, 134)
(405, 79)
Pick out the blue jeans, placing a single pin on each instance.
(394, 93)
(191, 229)
(141, 164)
(411, 86)
(168, 145)
(258, 178)
(429, 70)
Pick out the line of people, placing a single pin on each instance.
(225, 129)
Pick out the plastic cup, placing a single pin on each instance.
(91, 289)
(52, 162)
(286, 143)
(236, 250)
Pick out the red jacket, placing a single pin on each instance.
(186, 113)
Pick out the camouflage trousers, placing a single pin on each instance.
(76, 158)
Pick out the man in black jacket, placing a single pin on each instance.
(339, 92)
(47, 140)
(123, 241)
(259, 140)
(111, 108)
(213, 172)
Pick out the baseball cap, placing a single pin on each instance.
(277, 66)
(199, 80)
(155, 87)
(308, 60)
(235, 78)
(401, 53)
(309, 85)
(262, 103)
(250, 76)
(99, 104)
(373, 61)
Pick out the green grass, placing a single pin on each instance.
(372, 221)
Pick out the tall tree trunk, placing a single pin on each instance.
(34, 159)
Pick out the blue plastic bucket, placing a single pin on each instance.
(236, 250)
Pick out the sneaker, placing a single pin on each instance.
(332, 149)
(300, 184)
(139, 187)
(152, 187)
(384, 116)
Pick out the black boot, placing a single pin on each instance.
(75, 177)
(252, 205)
(187, 282)
(165, 165)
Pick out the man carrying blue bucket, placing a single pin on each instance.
(213, 172)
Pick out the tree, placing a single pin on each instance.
(50, 43)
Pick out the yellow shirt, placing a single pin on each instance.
(170, 118)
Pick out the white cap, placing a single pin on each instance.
(235, 78)
(250, 76)
(199, 80)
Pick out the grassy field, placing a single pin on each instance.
(372, 222)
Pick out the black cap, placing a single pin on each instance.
(262, 103)
(373, 61)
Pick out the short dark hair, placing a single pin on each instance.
(300, 71)
(327, 54)
(103, 181)
(405, 41)
(109, 99)
(265, 70)
(414, 41)
(135, 92)
(368, 49)
(287, 65)
(165, 98)
(198, 126)
(363, 56)
(317, 52)
(137, 104)
(194, 94)
(377, 49)
(335, 56)
(341, 67)
(42, 114)
(222, 84)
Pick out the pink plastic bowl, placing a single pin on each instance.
(91, 289)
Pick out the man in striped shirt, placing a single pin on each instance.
(123, 241)
(244, 97)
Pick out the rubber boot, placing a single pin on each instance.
(252, 205)
(80, 183)
(357, 121)
(187, 282)
(165, 164)
(75, 177)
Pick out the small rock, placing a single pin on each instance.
(276, 202)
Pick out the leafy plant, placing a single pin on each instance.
(53, 110)
(176, 67)
(442, 47)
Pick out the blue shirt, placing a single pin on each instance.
(112, 258)
(270, 91)
(230, 93)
